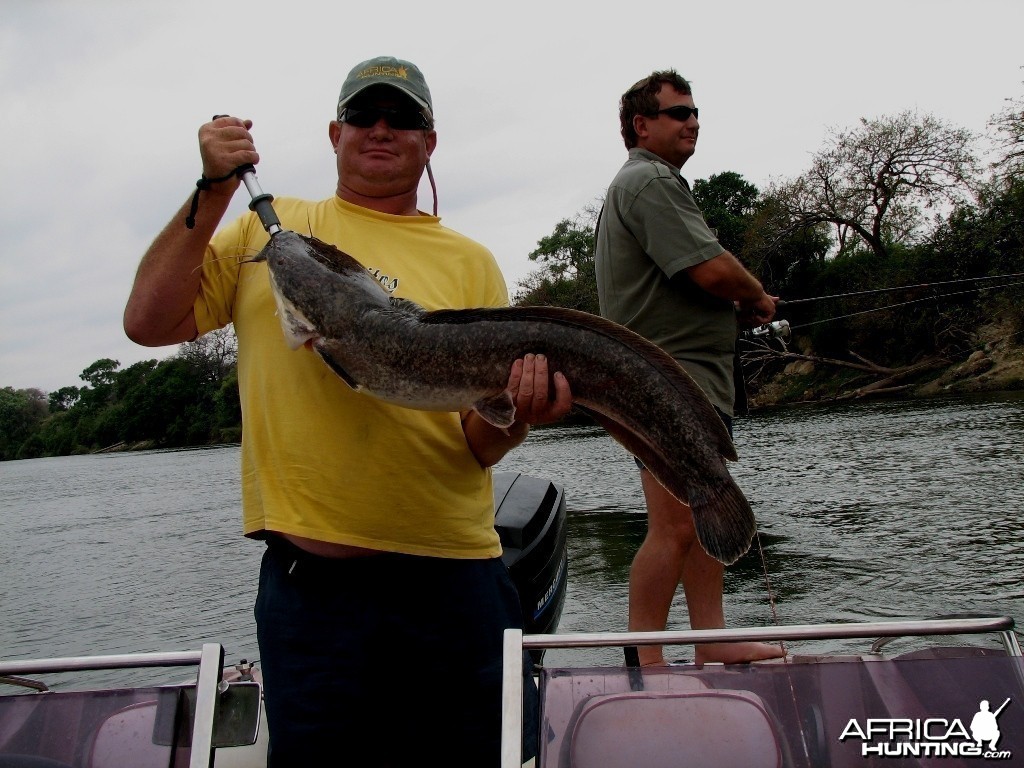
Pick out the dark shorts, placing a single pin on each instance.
(385, 660)
(726, 419)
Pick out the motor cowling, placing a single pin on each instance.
(530, 519)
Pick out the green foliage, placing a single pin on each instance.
(228, 409)
(101, 374)
(786, 256)
(570, 247)
(21, 412)
(58, 434)
(935, 313)
(728, 203)
(568, 277)
(988, 240)
(63, 398)
(542, 290)
(1009, 138)
(189, 399)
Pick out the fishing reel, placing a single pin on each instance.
(777, 329)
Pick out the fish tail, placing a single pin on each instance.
(723, 520)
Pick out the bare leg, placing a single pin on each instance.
(670, 553)
(657, 566)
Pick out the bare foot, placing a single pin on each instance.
(651, 656)
(736, 653)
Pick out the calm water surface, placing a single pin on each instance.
(866, 512)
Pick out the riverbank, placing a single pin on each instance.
(995, 365)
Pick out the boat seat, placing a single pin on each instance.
(661, 729)
(564, 692)
(126, 738)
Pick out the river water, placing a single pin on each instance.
(868, 511)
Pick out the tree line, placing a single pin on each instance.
(190, 398)
(901, 200)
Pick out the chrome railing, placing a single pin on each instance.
(210, 661)
(515, 642)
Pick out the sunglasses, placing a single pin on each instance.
(398, 119)
(679, 112)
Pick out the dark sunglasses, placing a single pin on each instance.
(398, 119)
(679, 112)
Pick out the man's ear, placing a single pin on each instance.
(430, 139)
(334, 132)
(640, 125)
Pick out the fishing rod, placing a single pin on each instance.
(781, 329)
(791, 302)
(777, 329)
(906, 303)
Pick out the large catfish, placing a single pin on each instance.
(452, 360)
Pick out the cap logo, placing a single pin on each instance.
(380, 71)
(387, 72)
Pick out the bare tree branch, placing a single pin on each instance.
(874, 183)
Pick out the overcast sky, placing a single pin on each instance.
(101, 101)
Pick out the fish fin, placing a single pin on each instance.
(722, 515)
(626, 437)
(335, 259)
(498, 410)
(723, 520)
(407, 306)
(297, 329)
(321, 348)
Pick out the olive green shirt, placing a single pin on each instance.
(650, 232)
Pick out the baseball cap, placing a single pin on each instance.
(386, 70)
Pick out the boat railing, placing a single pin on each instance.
(209, 660)
(516, 642)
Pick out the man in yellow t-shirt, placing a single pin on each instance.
(382, 595)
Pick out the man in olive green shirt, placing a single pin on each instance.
(662, 273)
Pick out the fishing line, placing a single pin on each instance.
(782, 644)
(903, 303)
(768, 584)
(790, 302)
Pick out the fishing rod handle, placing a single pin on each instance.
(261, 201)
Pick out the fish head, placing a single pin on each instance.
(318, 289)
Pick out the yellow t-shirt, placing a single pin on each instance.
(318, 459)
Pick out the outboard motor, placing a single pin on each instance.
(529, 515)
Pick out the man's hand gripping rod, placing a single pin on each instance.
(261, 201)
